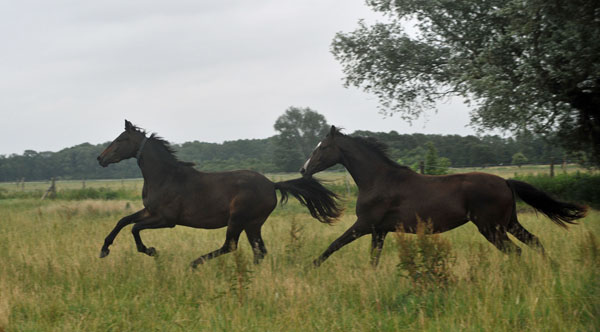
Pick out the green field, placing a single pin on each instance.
(51, 278)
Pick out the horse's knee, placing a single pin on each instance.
(230, 246)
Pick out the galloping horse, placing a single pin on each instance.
(175, 193)
(392, 197)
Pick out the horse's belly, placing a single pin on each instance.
(438, 217)
(206, 222)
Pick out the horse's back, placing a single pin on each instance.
(210, 199)
(483, 187)
(473, 190)
(247, 189)
(447, 201)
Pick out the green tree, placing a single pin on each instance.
(519, 159)
(300, 129)
(527, 65)
(434, 165)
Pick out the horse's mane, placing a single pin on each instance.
(169, 149)
(165, 145)
(375, 145)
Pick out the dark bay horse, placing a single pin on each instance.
(175, 193)
(393, 197)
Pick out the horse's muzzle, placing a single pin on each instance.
(304, 173)
(100, 161)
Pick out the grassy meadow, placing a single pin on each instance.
(51, 278)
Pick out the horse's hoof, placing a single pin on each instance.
(151, 252)
(195, 263)
(104, 253)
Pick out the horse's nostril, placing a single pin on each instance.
(302, 170)
(98, 158)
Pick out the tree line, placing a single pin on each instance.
(268, 155)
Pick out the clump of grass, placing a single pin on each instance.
(589, 251)
(85, 208)
(295, 239)
(427, 260)
(97, 193)
(239, 276)
(75, 194)
(478, 261)
(4, 309)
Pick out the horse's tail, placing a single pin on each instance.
(557, 211)
(320, 201)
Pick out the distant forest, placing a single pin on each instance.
(79, 162)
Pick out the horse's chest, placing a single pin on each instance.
(161, 202)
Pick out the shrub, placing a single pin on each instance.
(582, 188)
(425, 260)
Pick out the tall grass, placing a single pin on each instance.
(52, 280)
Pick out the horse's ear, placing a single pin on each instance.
(332, 131)
(128, 125)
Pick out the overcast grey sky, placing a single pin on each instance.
(72, 71)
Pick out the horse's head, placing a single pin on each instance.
(125, 146)
(326, 154)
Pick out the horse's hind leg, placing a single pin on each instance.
(231, 240)
(255, 238)
(516, 229)
(130, 219)
(377, 239)
(498, 237)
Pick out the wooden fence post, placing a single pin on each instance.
(51, 192)
(552, 168)
(422, 167)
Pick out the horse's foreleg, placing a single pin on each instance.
(354, 232)
(130, 219)
(152, 222)
(377, 239)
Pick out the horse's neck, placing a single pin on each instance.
(364, 165)
(154, 164)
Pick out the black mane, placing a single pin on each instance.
(169, 149)
(165, 145)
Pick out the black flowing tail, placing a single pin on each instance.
(320, 201)
(557, 211)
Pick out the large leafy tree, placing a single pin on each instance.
(300, 129)
(523, 64)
